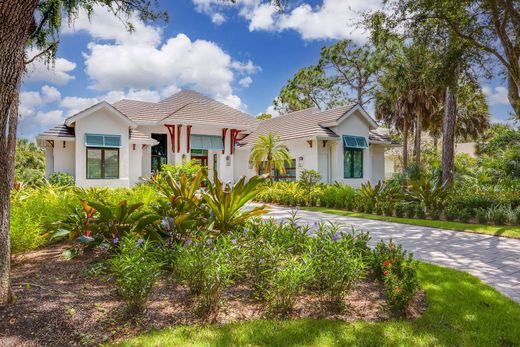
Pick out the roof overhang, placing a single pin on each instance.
(371, 122)
(103, 105)
(210, 124)
(384, 143)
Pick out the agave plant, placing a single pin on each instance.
(431, 194)
(226, 202)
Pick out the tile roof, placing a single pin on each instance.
(379, 136)
(59, 131)
(299, 124)
(184, 106)
(137, 136)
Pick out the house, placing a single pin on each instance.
(118, 144)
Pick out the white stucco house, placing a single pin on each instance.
(118, 144)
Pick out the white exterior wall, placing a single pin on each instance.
(135, 163)
(354, 125)
(102, 122)
(378, 163)
(63, 160)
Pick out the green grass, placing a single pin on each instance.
(462, 311)
(508, 231)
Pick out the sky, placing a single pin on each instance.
(241, 54)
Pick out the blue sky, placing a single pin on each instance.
(240, 54)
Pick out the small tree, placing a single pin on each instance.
(270, 152)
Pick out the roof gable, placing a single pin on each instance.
(103, 105)
(354, 109)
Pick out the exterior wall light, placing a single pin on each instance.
(228, 160)
(300, 161)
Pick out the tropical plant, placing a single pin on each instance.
(29, 162)
(226, 202)
(268, 153)
(372, 193)
(431, 194)
(135, 268)
(309, 178)
(61, 179)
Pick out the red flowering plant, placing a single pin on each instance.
(397, 269)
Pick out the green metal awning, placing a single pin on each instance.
(101, 140)
(211, 142)
(354, 141)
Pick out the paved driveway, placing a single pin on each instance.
(495, 260)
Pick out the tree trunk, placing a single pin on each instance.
(16, 21)
(513, 95)
(405, 144)
(417, 145)
(448, 133)
(435, 144)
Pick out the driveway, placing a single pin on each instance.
(495, 260)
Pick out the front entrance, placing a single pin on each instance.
(200, 156)
(159, 152)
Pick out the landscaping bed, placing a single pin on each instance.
(65, 303)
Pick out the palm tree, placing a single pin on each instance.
(270, 152)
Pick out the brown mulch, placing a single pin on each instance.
(60, 303)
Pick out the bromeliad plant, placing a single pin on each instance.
(226, 202)
(430, 193)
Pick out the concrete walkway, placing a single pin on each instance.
(495, 260)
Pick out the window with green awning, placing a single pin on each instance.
(354, 141)
(208, 142)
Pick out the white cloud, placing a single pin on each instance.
(218, 18)
(30, 101)
(50, 117)
(333, 19)
(245, 82)
(58, 72)
(272, 111)
(142, 61)
(496, 96)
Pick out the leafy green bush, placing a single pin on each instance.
(481, 215)
(450, 213)
(517, 213)
(207, 266)
(309, 178)
(420, 212)
(338, 260)
(61, 179)
(399, 210)
(435, 214)
(410, 210)
(189, 168)
(398, 271)
(135, 268)
(463, 215)
(497, 214)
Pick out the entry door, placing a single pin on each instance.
(159, 151)
(202, 160)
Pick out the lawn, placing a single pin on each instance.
(462, 311)
(507, 231)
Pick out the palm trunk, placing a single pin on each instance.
(435, 144)
(417, 145)
(405, 144)
(16, 21)
(448, 133)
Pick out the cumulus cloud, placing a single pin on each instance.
(272, 111)
(496, 96)
(50, 117)
(332, 19)
(144, 61)
(30, 101)
(57, 73)
(218, 18)
(245, 82)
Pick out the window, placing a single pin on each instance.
(353, 163)
(95, 140)
(289, 175)
(102, 163)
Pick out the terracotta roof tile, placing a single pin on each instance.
(59, 131)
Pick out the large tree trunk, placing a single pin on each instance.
(16, 21)
(448, 133)
(513, 95)
(417, 145)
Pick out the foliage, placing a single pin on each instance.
(309, 178)
(207, 266)
(398, 271)
(29, 162)
(61, 179)
(431, 194)
(264, 116)
(338, 260)
(190, 168)
(372, 193)
(226, 202)
(135, 268)
(268, 153)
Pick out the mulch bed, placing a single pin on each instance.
(60, 303)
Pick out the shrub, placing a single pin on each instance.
(379, 209)
(338, 260)
(207, 266)
(435, 214)
(309, 178)
(399, 210)
(189, 168)
(398, 271)
(482, 216)
(497, 214)
(61, 179)
(450, 213)
(517, 213)
(410, 210)
(286, 283)
(388, 209)
(135, 269)
(420, 212)
(463, 215)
